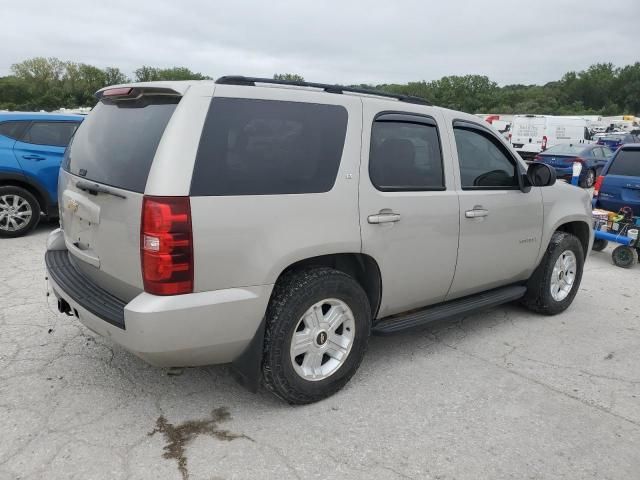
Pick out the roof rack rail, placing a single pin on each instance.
(251, 81)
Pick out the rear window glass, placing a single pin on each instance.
(116, 143)
(626, 163)
(267, 147)
(564, 150)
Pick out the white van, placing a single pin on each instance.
(531, 134)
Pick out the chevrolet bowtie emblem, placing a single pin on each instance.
(73, 205)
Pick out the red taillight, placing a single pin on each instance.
(166, 245)
(117, 92)
(544, 142)
(579, 160)
(510, 137)
(597, 185)
(537, 158)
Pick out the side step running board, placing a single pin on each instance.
(454, 308)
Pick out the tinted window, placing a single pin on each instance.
(405, 156)
(626, 163)
(564, 149)
(483, 161)
(116, 143)
(57, 134)
(265, 147)
(13, 129)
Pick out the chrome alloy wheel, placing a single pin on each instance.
(15, 213)
(322, 339)
(563, 275)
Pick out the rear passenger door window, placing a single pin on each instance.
(484, 161)
(405, 154)
(57, 134)
(268, 147)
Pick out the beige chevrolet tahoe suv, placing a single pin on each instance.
(276, 225)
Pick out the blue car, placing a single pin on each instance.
(31, 149)
(619, 185)
(615, 140)
(562, 157)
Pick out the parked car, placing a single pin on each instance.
(614, 140)
(532, 134)
(31, 149)
(562, 157)
(275, 227)
(619, 184)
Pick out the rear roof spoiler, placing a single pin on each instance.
(134, 92)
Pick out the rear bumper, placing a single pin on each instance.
(183, 330)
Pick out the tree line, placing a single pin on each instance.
(602, 89)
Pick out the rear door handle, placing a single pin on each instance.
(383, 218)
(33, 157)
(477, 212)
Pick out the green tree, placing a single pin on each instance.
(151, 74)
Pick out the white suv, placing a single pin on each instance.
(275, 225)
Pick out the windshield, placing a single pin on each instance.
(116, 143)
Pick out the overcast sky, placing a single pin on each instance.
(343, 41)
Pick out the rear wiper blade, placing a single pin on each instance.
(94, 189)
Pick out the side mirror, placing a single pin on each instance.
(541, 175)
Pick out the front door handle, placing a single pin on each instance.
(477, 212)
(383, 217)
(33, 157)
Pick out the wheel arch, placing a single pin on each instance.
(15, 180)
(579, 229)
(363, 268)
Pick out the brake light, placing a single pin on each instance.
(537, 158)
(509, 136)
(544, 142)
(166, 245)
(597, 185)
(117, 92)
(579, 160)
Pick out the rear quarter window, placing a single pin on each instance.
(13, 128)
(626, 164)
(268, 147)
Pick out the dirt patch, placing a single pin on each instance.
(179, 436)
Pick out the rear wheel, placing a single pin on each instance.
(555, 282)
(589, 179)
(599, 245)
(624, 256)
(318, 326)
(19, 211)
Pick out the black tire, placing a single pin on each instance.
(599, 245)
(293, 295)
(35, 212)
(538, 297)
(624, 256)
(589, 179)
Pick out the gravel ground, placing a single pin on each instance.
(500, 394)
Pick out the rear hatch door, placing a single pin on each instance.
(102, 184)
(621, 184)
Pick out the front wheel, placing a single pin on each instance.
(318, 327)
(624, 256)
(589, 179)
(555, 282)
